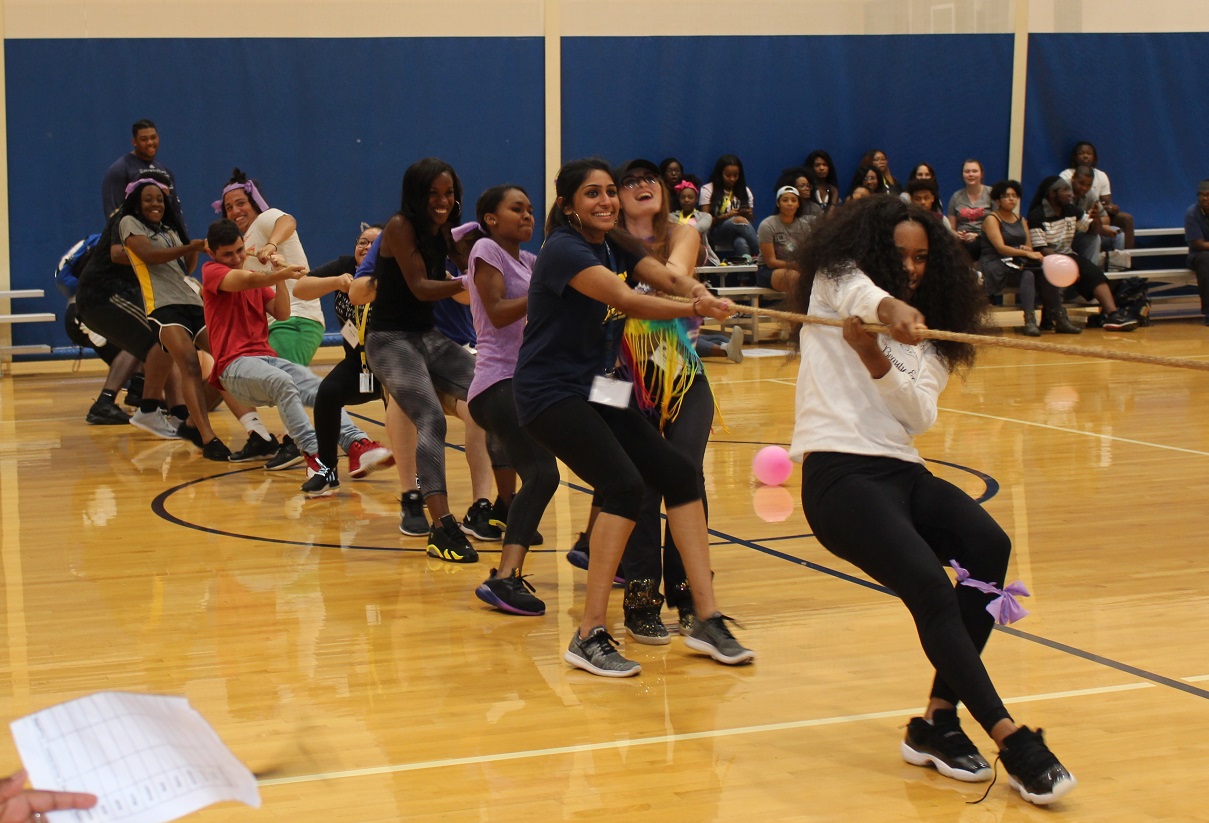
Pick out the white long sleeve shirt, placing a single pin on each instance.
(839, 406)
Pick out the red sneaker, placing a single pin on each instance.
(367, 456)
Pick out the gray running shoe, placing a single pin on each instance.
(597, 654)
(155, 422)
(712, 637)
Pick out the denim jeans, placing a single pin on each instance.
(274, 381)
(739, 236)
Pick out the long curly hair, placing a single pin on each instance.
(862, 234)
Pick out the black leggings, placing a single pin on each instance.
(1090, 276)
(901, 525)
(494, 409)
(341, 387)
(616, 452)
(689, 434)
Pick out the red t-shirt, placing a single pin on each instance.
(235, 320)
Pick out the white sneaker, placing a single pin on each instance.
(734, 347)
(155, 422)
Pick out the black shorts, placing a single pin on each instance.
(119, 318)
(79, 334)
(191, 318)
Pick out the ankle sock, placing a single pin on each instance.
(179, 412)
(108, 396)
(251, 422)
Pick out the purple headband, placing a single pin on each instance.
(248, 187)
(461, 231)
(132, 186)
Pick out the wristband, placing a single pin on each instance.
(695, 312)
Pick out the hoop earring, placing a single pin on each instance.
(578, 225)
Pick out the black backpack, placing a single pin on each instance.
(1133, 298)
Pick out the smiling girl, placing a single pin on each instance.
(569, 400)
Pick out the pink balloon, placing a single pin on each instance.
(772, 465)
(1060, 270)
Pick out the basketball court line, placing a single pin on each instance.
(664, 739)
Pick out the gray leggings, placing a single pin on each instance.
(413, 367)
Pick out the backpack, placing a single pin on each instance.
(71, 265)
(1132, 296)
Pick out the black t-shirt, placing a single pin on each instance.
(345, 311)
(396, 308)
(569, 338)
(101, 276)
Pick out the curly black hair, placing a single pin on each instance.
(861, 233)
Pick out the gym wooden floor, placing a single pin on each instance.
(367, 682)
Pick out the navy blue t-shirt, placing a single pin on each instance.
(569, 338)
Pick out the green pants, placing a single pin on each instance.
(296, 339)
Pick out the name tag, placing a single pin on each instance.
(349, 332)
(609, 392)
(366, 383)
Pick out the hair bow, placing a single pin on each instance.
(1004, 608)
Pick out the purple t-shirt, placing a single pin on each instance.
(497, 348)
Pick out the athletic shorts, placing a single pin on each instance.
(191, 318)
(119, 318)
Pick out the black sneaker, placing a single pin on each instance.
(712, 637)
(216, 450)
(944, 745)
(1032, 768)
(511, 594)
(499, 514)
(106, 413)
(323, 482)
(597, 653)
(1119, 321)
(287, 456)
(412, 519)
(257, 448)
(477, 522)
(190, 433)
(578, 557)
(134, 391)
(447, 542)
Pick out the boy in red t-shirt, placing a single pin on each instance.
(236, 301)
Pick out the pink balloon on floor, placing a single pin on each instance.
(1060, 270)
(772, 504)
(772, 465)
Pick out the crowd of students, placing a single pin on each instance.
(586, 354)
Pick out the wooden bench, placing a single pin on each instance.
(749, 296)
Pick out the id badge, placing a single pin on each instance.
(659, 358)
(349, 332)
(366, 383)
(609, 392)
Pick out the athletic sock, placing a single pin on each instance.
(251, 423)
(179, 412)
(149, 404)
(108, 396)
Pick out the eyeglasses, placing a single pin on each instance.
(635, 182)
(364, 242)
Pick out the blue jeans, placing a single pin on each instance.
(739, 236)
(274, 381)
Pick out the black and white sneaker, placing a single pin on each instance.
(322, 482)
(257, 448)
(447, 542)
(216, 450)
(106, 413)
(943, 745)
(1119, 321)
(190, 433)
(478, 525)
(412, 519)
(711, 636)
(287, 456)
(597, 653)
(1032, 768)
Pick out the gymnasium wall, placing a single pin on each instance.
(327, 102)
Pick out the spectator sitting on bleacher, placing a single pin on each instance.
(968, 205)
(687, 212)
(729, 200)
(923, 193)
(1009, 260)
(1100, 236)
(922, 171)
(866, 177)
(1053, 220)
(1084, 154)
(781, 235)
(823, 180)
(1196, 232)
(673, 173)
(887, 183)
(799, 178)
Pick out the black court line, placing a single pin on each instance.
(990, 490)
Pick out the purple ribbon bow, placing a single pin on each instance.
(136, 183)
(461, 231)
(253, 195)
(1004, 608)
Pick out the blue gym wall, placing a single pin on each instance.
(329, 124)
(1136, 97)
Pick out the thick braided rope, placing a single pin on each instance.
(988, 340)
